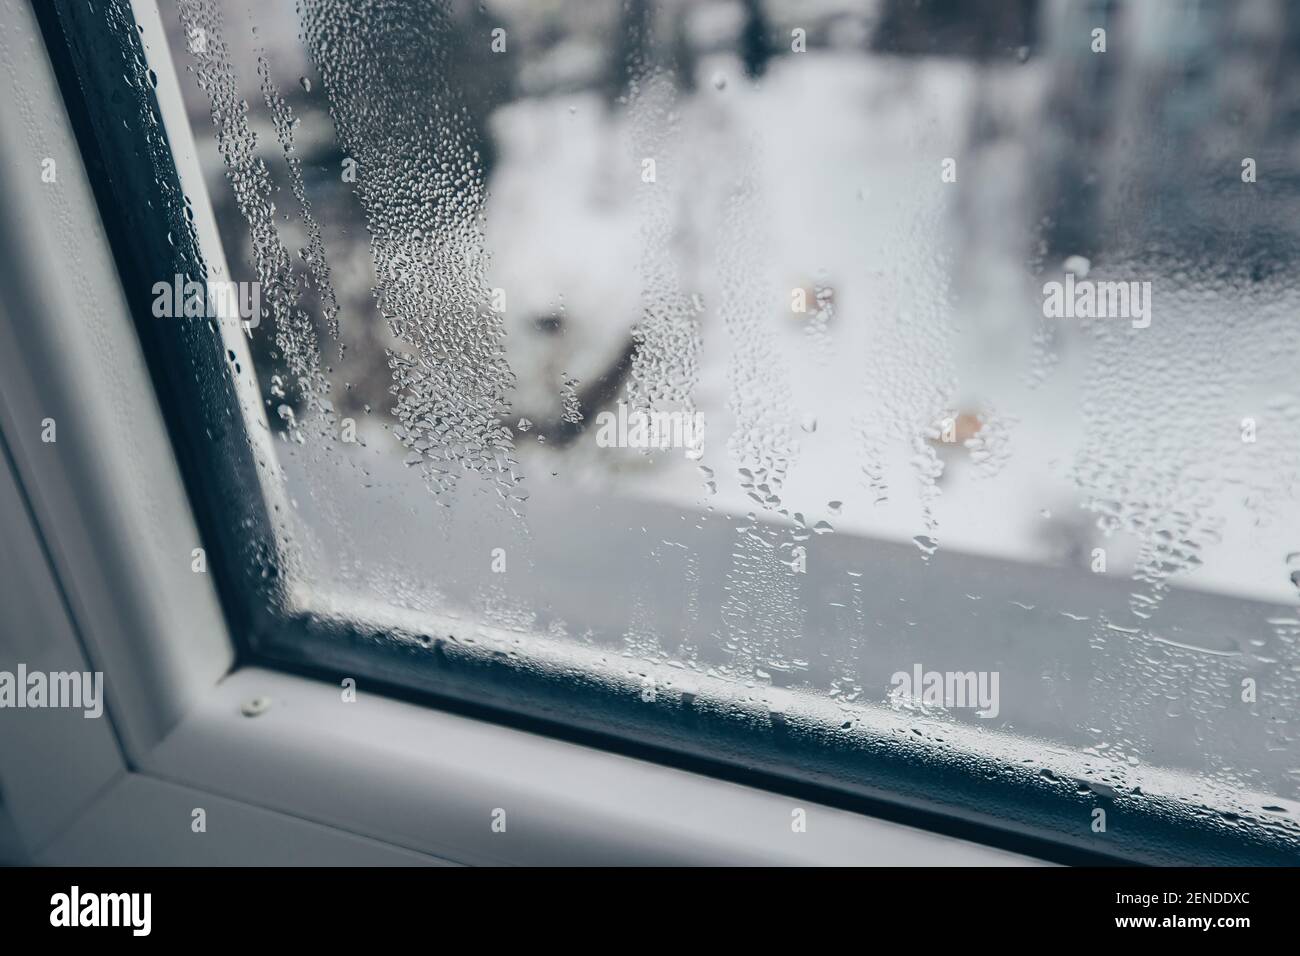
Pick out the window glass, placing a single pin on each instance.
(922, 365)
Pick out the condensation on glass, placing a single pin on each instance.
(818, 355)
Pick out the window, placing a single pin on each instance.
(883, 395)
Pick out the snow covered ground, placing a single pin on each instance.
(829, 174)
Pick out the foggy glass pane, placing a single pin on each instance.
(797, 351)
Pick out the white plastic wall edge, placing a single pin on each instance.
(53, 761)
(147, 822)
(107, 493)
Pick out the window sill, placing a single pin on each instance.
(430, 782)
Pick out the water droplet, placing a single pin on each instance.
(926, 544)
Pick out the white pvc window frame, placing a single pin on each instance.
(98, 576)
